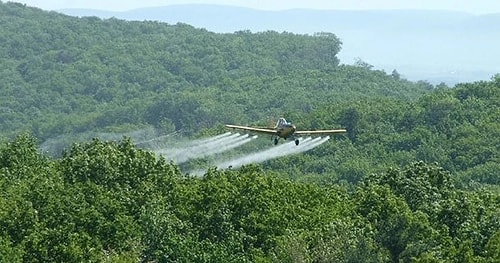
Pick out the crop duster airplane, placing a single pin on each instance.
(285, 130)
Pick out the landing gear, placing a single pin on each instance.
(296, 141)
(275, 140)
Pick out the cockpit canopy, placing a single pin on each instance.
(281, 122)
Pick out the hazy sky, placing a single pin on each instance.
(470, 6)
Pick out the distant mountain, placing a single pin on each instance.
(437, 46)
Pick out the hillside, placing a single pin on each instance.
(70, 79)
(457, 128)
(406, 40)
(68, 75)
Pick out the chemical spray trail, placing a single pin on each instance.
(165, 141)
(193, 146)
(275, 152)
(194, 150)
(254, 157)
(214, 147)
(229, 146)
(210, 139)
(313, 144)
(206, 147)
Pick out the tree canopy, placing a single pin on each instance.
(111, 201)
(64, 75)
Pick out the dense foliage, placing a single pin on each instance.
(113, 202)
(458, 128)
(415, 179)
(63, 75)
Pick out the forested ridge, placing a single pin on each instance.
(415, 179)
(64, 74)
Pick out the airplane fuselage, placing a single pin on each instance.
(285, 131)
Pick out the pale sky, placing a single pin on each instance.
(469, 6)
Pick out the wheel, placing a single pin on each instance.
(275, 141)
(297, 142)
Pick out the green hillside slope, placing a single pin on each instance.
(458, 128)
(63, 75)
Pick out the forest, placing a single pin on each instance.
(415, 179)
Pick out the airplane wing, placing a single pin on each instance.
(254, 129)
(321, 132)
